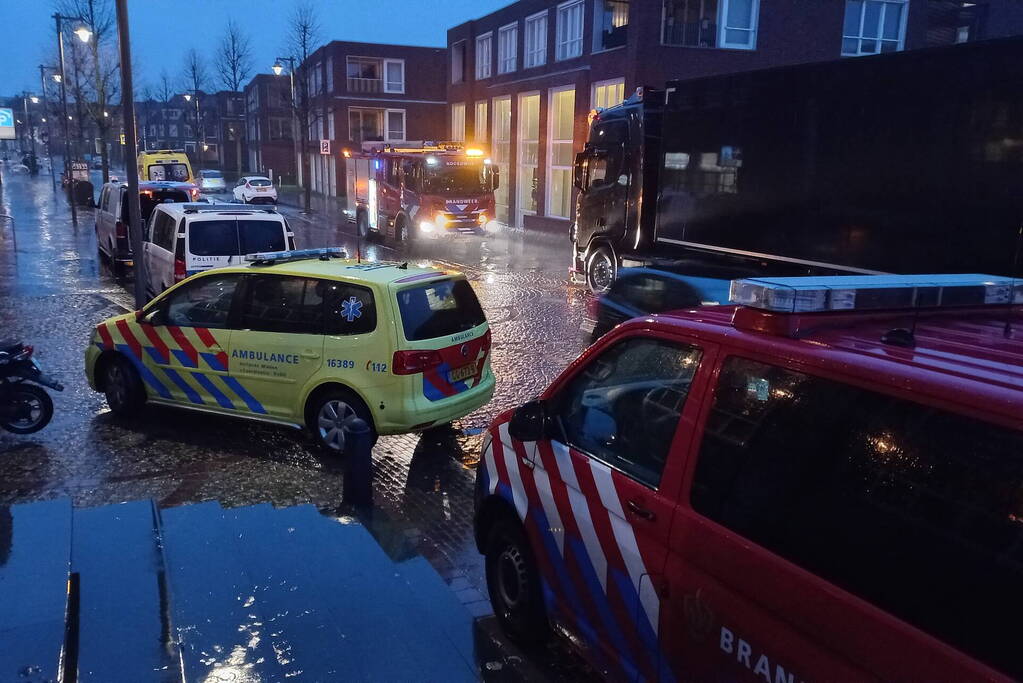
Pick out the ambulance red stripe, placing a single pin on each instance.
(185, 345)
(156, 340)
(210, 341)
(129, 338)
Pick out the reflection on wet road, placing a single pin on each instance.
(54, 289)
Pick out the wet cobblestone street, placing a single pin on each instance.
(54, 289)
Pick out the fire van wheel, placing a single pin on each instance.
(601, 270)
(513, 582)
(123, 387)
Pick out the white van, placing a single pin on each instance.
(185, 239)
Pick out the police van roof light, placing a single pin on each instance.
(323, 253)
(874, 292)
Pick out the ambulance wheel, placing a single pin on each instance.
(362, 224)
(123, 387)
(327, 414)
(513, 582)
(601, 270)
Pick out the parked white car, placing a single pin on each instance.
(210, 180)
(255, 189)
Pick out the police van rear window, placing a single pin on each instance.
(231, 237)
(439, 309)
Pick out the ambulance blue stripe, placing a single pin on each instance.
(600, 601)
(191, 393)
(243, 393)
(184, 358)
(155, 355)
(144, 372)
(216, 393)
(213, 361)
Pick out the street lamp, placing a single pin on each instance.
(25, 99)
(84, 34)
(46, 119)
(199, 139)
(278, 68)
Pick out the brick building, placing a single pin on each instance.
(365, 92)
(523, 79)
(269, 130)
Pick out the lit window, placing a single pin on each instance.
(612, 24)
(458, 121)
(480, 129)
(608, 93)
(873, 26)
(562, 128)
(570, 30)
(711, 23)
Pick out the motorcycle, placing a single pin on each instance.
(24, 408)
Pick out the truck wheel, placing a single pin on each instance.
(601, 270)
(362, 224)
(513, 583)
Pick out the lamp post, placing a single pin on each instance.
(278, 67)
(200, 137)
(84, 34)
(49, 130)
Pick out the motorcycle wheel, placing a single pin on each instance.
(31, 407)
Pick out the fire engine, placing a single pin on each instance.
(425, 189)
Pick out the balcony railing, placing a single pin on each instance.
(365, 84)
(701, 33)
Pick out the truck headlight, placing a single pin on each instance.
(425, 226)
(440, 220)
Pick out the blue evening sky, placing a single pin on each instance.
(163, 30)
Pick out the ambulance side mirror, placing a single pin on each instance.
(528, 422)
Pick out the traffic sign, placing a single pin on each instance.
(7, 124)
(324, 146)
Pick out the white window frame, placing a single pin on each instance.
(563, 40)
(457, 135)
(598, 27)
(513, 59)
(880, 28)
(539, 52)
(387, 127)
(507, 188)
(604, 84)
(399, 62)
(520, 141)
(484, 67)
(549, 190)
(753, 27)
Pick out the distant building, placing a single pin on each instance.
(268, 122)
(523, 79)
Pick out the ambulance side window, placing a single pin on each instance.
(351, 309)
(624, 406)
(278, 303)
(205, 302)
(911, 508)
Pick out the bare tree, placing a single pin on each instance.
(302, 41)
(234, 63)
(196, 80)
(102, 80)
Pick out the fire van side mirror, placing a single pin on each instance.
(495, 177)
(528, 422)
(579, 169)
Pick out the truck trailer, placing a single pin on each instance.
(907, 162)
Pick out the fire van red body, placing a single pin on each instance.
(428, 190)
(734, 494)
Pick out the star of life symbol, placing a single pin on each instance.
(351, 309)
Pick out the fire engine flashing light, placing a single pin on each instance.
(472, 152)
(347, 153)
(874, 292)
(432, 161)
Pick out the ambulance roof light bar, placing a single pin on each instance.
(269, 258)
(874, 292)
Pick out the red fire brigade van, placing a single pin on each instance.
(421, 190)
(824, 483)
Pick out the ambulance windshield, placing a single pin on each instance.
(456, 178)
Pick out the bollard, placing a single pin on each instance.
(357, 488)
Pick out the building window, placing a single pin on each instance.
(458, 62)
(559, 154)
(608, 93)
(395, 125)
(480, 128)
(711, 23)
(507, 49)
(529, 153)
(535, 41)
(365, 75)
(501, 155)
(611, 19)
(484, 55)
(570, 29)
(366, 125)
(873, 26)
(394, 75)
(458, 121)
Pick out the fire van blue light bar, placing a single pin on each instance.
(336, 252)
(874, 292)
